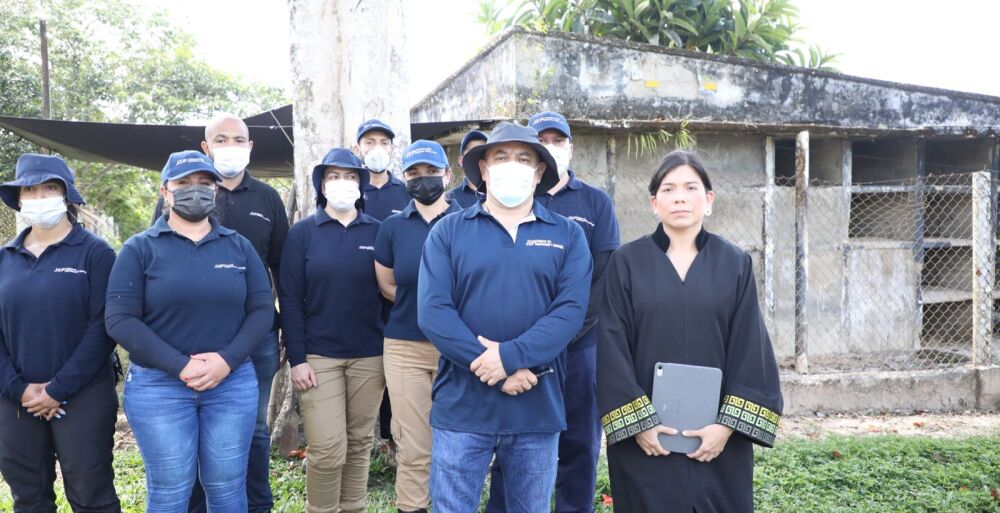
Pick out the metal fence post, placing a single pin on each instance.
(770, 231)
(801, 251)
(983, 268)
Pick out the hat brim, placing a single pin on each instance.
(215, 174)
(10, 192)
(392, 135)
(470, 164)
(431, 162)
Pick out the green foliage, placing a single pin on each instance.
(753, 29)
(890, 474)
(111, 61)
(639, 144)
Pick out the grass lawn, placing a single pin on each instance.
(885, 474)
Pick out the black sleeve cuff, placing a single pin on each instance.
(750, 419)
(629, 419)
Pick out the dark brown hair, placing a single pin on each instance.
(674, 160)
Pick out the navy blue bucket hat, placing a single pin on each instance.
(34, 169)
(342, 158)
(508, 132)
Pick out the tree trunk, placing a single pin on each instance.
(348, 65)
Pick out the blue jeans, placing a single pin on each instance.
(460, 461)
(579, 445)
(182, 434)
(265, 365)
(259, 499)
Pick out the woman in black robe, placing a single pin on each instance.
(684, 295)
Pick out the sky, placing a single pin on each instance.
(925, 42)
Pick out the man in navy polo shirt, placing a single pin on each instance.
(465, 194)
(592, 209)
(253, 209)
(503, 288)
(385, 195)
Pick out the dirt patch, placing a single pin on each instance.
(816, 427)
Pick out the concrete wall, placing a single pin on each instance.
(604, 79)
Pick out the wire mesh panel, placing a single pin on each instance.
(896, 278)
(8, 226)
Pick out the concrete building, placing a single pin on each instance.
(884, 255)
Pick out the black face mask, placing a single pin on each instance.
(193, 203)
(426, 189)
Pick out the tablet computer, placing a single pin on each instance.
(685, 397)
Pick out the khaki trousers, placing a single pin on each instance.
(339, 417)
(410, 369)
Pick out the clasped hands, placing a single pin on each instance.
(713, 441)
(204, 371)
(40, 404)
(489, 369)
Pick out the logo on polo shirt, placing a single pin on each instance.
(69, 270)
(543, 243)
(367, 248)
(230, 266)
(581, 220)
(258, 214)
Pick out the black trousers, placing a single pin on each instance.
(83, 442)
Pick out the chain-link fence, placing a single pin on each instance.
(8, 225)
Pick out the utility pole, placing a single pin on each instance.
(46, 98)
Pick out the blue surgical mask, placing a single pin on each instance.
(511, 183)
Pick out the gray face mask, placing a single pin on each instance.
(194, 202)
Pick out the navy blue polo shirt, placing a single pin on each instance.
(399, 245)
(329, 297)
(464, 195)
(170, 297)
(528, 294)
(390, 199)
(255, 210)
(592, 209)
(52, 315)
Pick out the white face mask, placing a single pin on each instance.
(342, 194)
(561, 156)
(230, 161)
(377, 159)
(511, 183)
(45, 212)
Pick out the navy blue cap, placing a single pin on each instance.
(183, 163)
(473, 135)
(34, 169)
(424, 152)
(550, 120)
(508, 132)
(344, 159)
(374, 124)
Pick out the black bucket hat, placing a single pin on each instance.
(34, 169)
(508, 132)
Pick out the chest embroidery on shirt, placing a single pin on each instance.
(69, 270)
(258, 214)
(543, 243)
(230, 266)
(581, 220)
(367, 248)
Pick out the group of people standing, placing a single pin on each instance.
(501, 317)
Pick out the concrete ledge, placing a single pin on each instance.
(949, 390)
